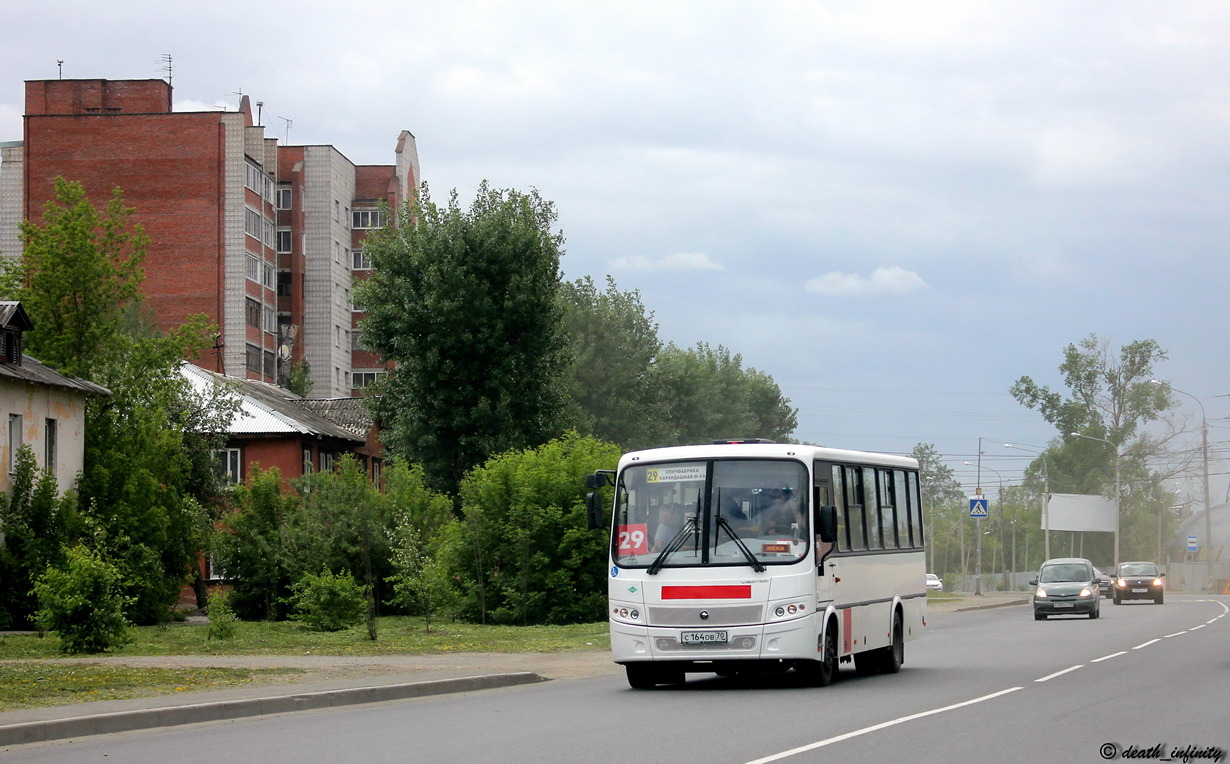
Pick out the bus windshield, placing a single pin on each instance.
(715, 512)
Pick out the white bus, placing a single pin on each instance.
(754, 556)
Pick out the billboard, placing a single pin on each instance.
(1075, 512)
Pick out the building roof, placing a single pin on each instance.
(268, 409)
(32, 372)
(350, 413)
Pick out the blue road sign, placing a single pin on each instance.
(977, 506)
(1191, 544)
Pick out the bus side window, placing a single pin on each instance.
(843, 537)
(888, 506)
(903, 509)
(871, 508)
(854, 507)
(916, 518)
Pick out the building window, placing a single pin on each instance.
(14, 440)
(326, 461)
(307, 461)
(369, 218)
(283, 241)
(362, 379)
(361, 261)
(271, 364)
(283, 283)
(229, 465)
(253, 223)
(49, 445)
(252, 312)
(269, 278)
(252, 359)
(284, 196)
(253, 268)
(254, 178)
(271, 320)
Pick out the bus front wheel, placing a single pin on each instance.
(641, 676)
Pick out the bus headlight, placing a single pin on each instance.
(789, 610)
(626, 614)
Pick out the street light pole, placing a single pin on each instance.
(1001, 522)
(1118, 502)
(1204, 447)
(1046, 498)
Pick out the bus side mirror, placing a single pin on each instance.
(826, 523)
(596, 480)
(593, 510)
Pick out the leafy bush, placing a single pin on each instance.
(83, 603)
(525, 553)
(328, 602)
(222, 621)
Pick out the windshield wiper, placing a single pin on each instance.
(689, 527)
(724, 524)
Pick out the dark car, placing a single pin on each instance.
(1066, 586)
(1138, 581)
(1105, 583)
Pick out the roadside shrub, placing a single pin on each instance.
(83, 603)
(222, 621)
(328, 602)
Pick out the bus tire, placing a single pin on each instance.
(894, 654)
(821, 673)
(641, 676)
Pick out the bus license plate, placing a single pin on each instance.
(703, 638)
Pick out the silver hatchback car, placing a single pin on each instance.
(1066, 586)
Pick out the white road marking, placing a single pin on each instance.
(1059, 673)
(876, 727)
(1146, 644)
(1108, 657)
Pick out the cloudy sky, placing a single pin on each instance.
(896, 209)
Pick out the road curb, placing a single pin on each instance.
(124, 721)
(989, 605)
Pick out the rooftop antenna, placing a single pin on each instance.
(166, 66)
(260, 106)
(239, 93)
(60, 67)
(288, 122)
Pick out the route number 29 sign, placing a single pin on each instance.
(633, 538)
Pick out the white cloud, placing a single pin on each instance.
(892, 280)
(677, 261)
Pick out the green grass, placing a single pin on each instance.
(37, 684)
(396, 636)
(32, 676)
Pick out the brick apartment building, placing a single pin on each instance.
(263, 239)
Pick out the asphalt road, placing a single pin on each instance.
(991, 685)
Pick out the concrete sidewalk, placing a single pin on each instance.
(330, 681)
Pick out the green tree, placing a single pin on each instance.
(614, 344)
(249, 546)
(148, 446)
(1111, 397)
(78, 274)
(36, 524)
(466, 302)
(341, 524)
(421, 517)
(524, 553)
(943, 509)
(708, 394)
(149, 469)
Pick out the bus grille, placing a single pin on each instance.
(732, 615)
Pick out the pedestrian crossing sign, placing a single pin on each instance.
(977, 506)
